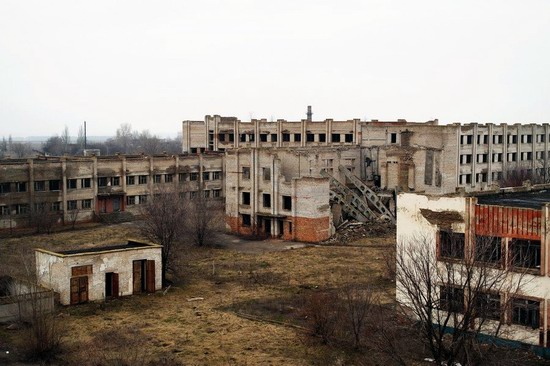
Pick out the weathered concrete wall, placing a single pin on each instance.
(54, 271)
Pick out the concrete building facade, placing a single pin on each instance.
(81, 188)
(515, 223)
(281, 193)
(101, 272)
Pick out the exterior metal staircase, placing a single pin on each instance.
(351, 202)
(371, 196)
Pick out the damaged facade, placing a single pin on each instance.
(98, 273)
(67, 189)
(506, 230)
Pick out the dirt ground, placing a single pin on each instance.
(247, 311)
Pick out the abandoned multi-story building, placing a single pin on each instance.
(68, 189)
(408, 156)
(506, 230)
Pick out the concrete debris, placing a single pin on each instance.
(350, 231)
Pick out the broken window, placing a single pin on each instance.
(482, 139)
(526, 312)
(40, 185)
(466, 159)
(263, 137)
(216, 175)
(5, 187)
(482, 158)
(71, 183)
(86, 183)
(273, 137)
(451, 245)
(525, 253)
(85, 204)
(157, 178)
(465, 179)
(231, 137)
(266, 173)
(221, 137)
(393, 138)
(130, 200)
(4, 211)
(287, 203)
(497, 139)
(71, 205)
(246, 198)
(251, 137)
(451, 299)
(216, 193)
(142, 199)
(194, 176)
(115, 181)
(267, 200)
(322, 137)
(497, 157)
(168, 178)
(541, 138)
(286, 137)
(21, 186)
(428, 168)
(246, 220)
(512, 156)
(526, 139)
(55, 185)
(310, 137)
(246, 172)
(527, 155)
(512, 139)
(22, 209)
(481, 177)
(466, 139)
(335, 137)
(206, 176)
(488, 249)
(243, 137)
(297, 137)
(487, 305)
(348, 137)
(55, 206)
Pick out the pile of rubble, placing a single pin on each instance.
(350, 231)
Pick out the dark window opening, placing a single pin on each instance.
(263, 137)
(487, 305)
(526, 312)
(246, 220)
(310, 137)
(273, 138)
(335, 137)
(322, 137)
(525, 253)
(267, 200)
(488, 249)
(297, 137)
(393, 138)
(5, 187)
(231, 137)
(266, 173)
(286, 137)
(348, 137)
(102, 182)
(287, 203)
(451, 299)
(246, 172)
(451, 245)
(55, 185)
(246, 198)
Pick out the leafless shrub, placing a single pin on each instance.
(322, 314)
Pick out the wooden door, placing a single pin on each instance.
(137, 276)
(115, 287)
(150, 276)
(79, 290)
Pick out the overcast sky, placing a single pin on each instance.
(156, 63)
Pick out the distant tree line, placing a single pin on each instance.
(126, 141)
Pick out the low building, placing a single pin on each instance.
(98, 273)
(504, 230)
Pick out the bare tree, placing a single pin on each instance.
(164, 216)
(72, 215)
(203, 217)
(469, 292)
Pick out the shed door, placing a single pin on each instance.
(138, 276)
(115, 285)
(150, 276)
(79, 290)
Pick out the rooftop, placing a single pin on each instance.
(530, 199)
(131, 244)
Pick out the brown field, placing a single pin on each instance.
(249, 314)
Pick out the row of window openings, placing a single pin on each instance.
(488, 306)
(523, 253)
(21, 209)
(499, 139)
(142, 199)
(266, 200)
(496, 176)
(266, 173)
(246, 220)
(285, 137)
(497, 157)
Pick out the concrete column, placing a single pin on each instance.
(474, 156)
(546, 136)
(490, 154)
(64, 188)
(94, 183)
(504, 150)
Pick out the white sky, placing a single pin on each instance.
(156, 63)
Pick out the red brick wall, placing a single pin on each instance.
(311, 230)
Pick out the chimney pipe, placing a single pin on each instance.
(309, 113)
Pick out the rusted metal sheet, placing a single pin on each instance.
(524, 223)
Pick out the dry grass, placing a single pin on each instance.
(267, 285)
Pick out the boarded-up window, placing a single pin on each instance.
(429, 168)
(81, 270)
